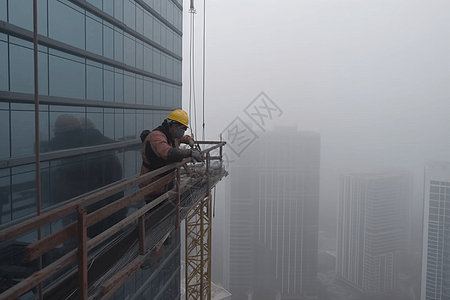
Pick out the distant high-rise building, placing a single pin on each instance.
(436, 232)
(372, 232)
(273, 205)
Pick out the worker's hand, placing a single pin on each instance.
(196, 155)
(191, 143)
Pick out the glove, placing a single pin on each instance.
(196, 155)
(191, 143)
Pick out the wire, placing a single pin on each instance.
(204, 55)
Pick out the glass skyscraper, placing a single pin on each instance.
(436, 233)
(108, 69)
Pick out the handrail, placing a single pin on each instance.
(40, 247)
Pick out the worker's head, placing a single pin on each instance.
(178, 123)
(65, 123)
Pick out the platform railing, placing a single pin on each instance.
(85, 220)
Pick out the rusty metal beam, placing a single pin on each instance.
(35, 222)
(38, 277)
(52, 240)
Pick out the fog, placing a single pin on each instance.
(371, 77)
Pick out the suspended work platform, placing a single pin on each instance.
(95, 268)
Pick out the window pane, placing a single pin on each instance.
(21, 72)
(109, 85)
(94, 36)
(130, 51)
(43, 73)
(118, 87)
(42, 18)
(118, 46)
(4, 78)
(139, 20)
(148, 26)
(23, 194)
(130, 13)
(4, 134)
(130, 123)
(108, 7)
(3, 10)
(59, 16)
(130, 89)
(139, 91)
(94, 83)
(22, 133)
(139, 56)
(148, 58)
(156, 94)
(118, 9)
(118, 124)
(21, 13)
(96, 3)
(67, 132)
(148, 92)
(67, 78)
(108, 45)
(109, 124)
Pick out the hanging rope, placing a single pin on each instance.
(192, 103)
(203, 74)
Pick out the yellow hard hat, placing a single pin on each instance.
(180, 116)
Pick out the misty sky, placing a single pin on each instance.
(372, 77)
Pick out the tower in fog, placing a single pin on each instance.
(373, 229)
(436, 232)
(273, 204)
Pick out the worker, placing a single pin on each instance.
(161, 147)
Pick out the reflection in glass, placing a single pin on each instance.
(68, 131)
(21, 62)
(5, 200)
(109, 124)
(22, 133)
(4, 134)
(67, 78)
(23, 194)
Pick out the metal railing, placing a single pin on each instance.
(85, 220)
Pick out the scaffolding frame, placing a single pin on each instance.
(44, 245)
(198, 247)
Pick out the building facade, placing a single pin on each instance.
(436, 232)
(372, 232)
(273, 205)
(107, 69)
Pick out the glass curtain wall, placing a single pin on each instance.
(108, 69)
